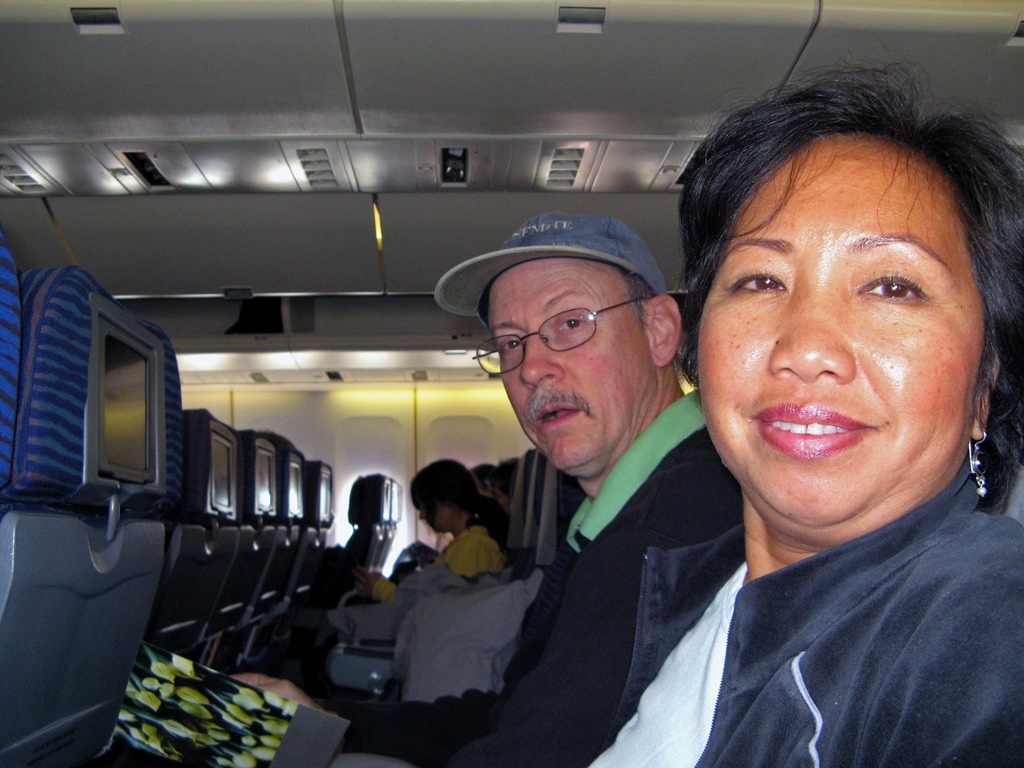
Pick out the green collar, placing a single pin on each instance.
(669, 429)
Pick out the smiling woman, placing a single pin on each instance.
(855, 303)
(840, 347)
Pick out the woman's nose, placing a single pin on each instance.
(813, 339)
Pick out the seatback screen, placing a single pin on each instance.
(124, 417)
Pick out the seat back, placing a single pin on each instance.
(82, 576)
(58, 366)
(258, 535)
(373, 513)
(10, 347)
(1013, 504)
(366, 513)
(289, 468)
(318, 514)
(203, 536)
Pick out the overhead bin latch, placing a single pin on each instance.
(1018, 36)
(586, 19)
(97, 21)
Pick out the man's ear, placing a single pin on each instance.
(663, 325)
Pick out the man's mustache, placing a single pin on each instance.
(551, 398)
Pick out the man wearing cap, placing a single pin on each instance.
(585, 339)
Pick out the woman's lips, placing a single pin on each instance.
(814, 428)
(808, 432)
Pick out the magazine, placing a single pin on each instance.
(191, 714)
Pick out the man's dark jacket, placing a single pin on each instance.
(561, 702)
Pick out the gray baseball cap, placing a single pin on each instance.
(464, 289)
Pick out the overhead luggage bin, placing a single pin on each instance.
(172, 69)
(510, 67)
(973, 52)
(200, 244)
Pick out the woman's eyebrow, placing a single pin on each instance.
(768, 243)
(881, 241)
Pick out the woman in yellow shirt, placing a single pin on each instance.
(448, 499)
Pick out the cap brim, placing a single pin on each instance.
(460, 288)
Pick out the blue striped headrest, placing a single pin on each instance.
(10, 342)
(174, 425)
(57, 323)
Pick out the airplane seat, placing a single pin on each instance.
(318, 515)
(455, 640)
(368, 514)
(10, 348)
(80, 534)
(1013, 504)
(263, 645)
(203, 535)
(258, 536)
(273, 599)
(374, 505)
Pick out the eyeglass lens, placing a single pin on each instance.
(561, 332)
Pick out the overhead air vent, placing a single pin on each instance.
(259, 378)
(146, 169)
(419, 375)
(316, 165)
(335, 375)
(15, 175)
(565, 166)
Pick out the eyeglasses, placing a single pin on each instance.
(561, 332)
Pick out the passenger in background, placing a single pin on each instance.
(499, 482)
(586, 340)
(855, 265)
(446, 497)
(480, 473)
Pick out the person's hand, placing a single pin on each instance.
(365, 580)
(284, 688)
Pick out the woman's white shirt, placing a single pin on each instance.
(673, 720)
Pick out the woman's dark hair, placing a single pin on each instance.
(985, 171)
(502, 476)
(448, 482)
(481, 472)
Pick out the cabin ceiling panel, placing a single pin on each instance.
(502, 68)
(966, 51)
(160, 245)
(34, 241)
(425, 235)
(179, 69)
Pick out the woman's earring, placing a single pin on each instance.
(974, 457)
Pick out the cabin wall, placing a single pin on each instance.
(392, 428)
